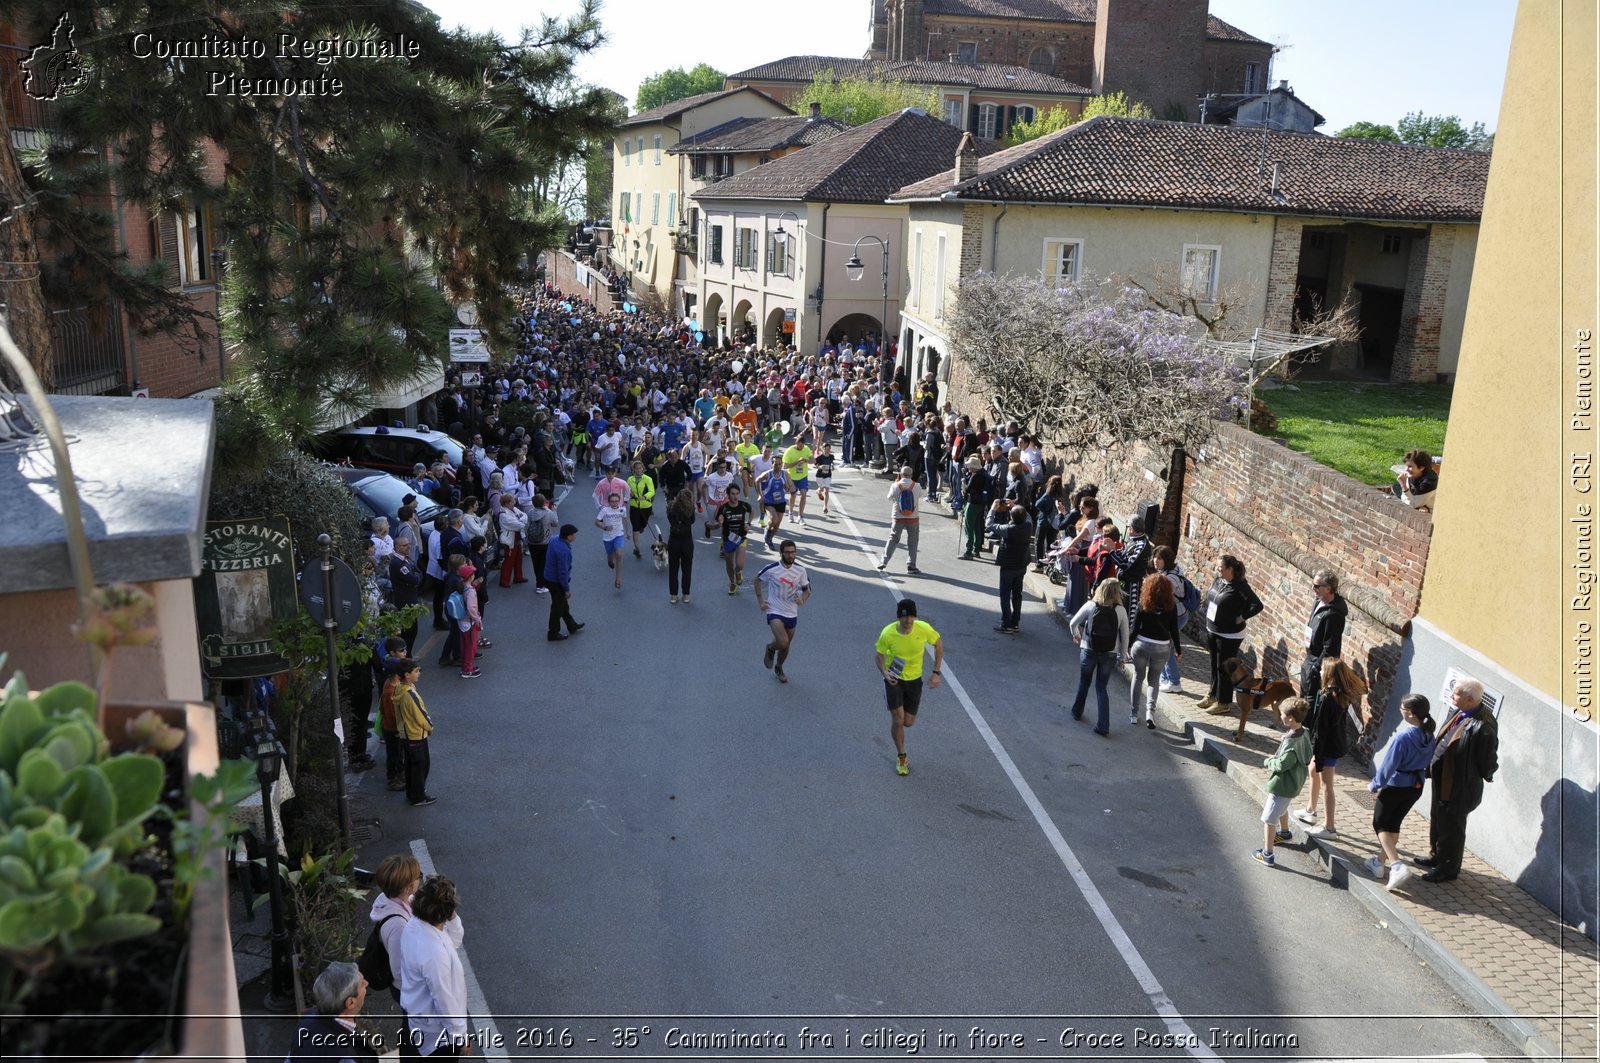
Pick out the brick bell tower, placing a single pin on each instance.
(1153, 50)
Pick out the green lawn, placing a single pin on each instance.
(1361, 428)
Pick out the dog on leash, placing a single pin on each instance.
(1254, 692)
(658, 548)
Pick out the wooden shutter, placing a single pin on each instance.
(1011, 119)
(164, 245)
(972, 124)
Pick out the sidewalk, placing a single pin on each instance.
(1504, 952)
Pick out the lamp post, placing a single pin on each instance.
(854, 270)
(269, 764)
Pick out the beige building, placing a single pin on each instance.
(1271, 221)
(775, 240)
(651, 186)
(985, 99)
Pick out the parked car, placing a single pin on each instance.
(379, 494)
(395, 450)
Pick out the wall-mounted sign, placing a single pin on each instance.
(246, 584)
(466, 345)
(1492, 698)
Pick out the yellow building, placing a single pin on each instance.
(1509, 595)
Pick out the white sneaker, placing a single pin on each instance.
(1133, 718)
(1321, 830)
(1305, 815)
(1374, 866)
(1171, 688)
(1399, 874)
(541, 590)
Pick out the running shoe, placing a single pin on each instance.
(1282, 836)
(901, 767)
(733, 588)
(739, 577)
(779, 673)
(1374, 866)
(1399, 873)
(768, 654)
(1305, 815)
(1264, 856)
(475, 673)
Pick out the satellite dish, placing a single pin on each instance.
(738, 367)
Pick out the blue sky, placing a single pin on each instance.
(1351, 60)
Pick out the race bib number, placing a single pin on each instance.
(1309, 630)
(1211, 611)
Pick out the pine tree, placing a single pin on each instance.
(356, 196)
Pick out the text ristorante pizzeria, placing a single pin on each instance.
(323, 51)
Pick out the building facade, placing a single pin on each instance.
(1166, 53)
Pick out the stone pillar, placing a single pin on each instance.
(1282, 273)
(1416, 352)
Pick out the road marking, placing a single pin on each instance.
(1158, 997)
(479, 1018)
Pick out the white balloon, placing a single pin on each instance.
(784, 427)
(738, 367)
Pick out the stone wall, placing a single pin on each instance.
(563, 273)
(1286, 517)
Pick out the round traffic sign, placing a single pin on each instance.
(346, 594)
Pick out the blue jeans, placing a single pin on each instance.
(953, 474)
(1099, 665)
(1011, 596)
(1170, 673)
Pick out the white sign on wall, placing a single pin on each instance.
(466, 345)
(1491, 698)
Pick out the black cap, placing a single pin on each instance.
(907, 607)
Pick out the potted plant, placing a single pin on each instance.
(113, 901)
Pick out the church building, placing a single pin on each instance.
(1166, 53)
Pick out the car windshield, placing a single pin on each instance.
(451, 448)
(384, 493)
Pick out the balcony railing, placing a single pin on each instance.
(87, 354)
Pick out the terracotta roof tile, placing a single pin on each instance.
(677, 107)
(861, 165)
(1130, 162)
(761, 134)
(997, 76)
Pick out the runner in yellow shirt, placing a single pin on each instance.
(898, 656)
(796, 467)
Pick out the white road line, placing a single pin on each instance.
(480, 1018)
(1097, 903)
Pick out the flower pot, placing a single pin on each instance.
(209, 1025)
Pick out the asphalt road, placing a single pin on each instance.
(648, 830)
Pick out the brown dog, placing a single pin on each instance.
(1252, 692)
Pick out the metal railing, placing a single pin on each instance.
(22, 110)
(87, 358)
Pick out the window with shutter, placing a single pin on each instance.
(655, 208)
(716, 244)
(988, 118)
(672, 208)
(164, 245)
(1199, 277)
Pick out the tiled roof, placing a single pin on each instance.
(1129, 162)
(761, 134)
(1058, 11)
(861, 165)
(677, 107)
(997, 76)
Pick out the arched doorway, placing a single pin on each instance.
(855, 328)
(742, 325)
(772, 334)
(711, 320)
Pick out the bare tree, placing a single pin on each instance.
(1092, 364)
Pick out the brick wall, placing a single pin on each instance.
(174, 366)
(1286, 517)
(972, 242)
(1154, 50)
(1416, 352)
(1225, 62)
(564, 275)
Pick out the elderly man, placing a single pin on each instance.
(1466, 755)
(328, 1031)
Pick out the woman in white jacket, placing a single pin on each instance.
(398, 878)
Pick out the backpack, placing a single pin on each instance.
(1191, 595)
(374, 961)
(1103, 630)
(455, 606)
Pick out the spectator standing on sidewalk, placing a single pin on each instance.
(1229, 604)
(1012, 557)
(977, 492)
(328, 1030)
(1324, 631)
(415, 727)
(1341, 690)
(1402, 765)
(1161, 561)
(1466, 756)
(541, 529)
(1286, 774)
(433, 984)
(904, 496)
(1155, 638)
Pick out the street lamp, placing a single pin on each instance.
(854, 270)
(269, 764)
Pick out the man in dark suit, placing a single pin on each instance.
(1465, 756)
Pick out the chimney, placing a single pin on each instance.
(966, 158)
(816, 112)
(1283, 86)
